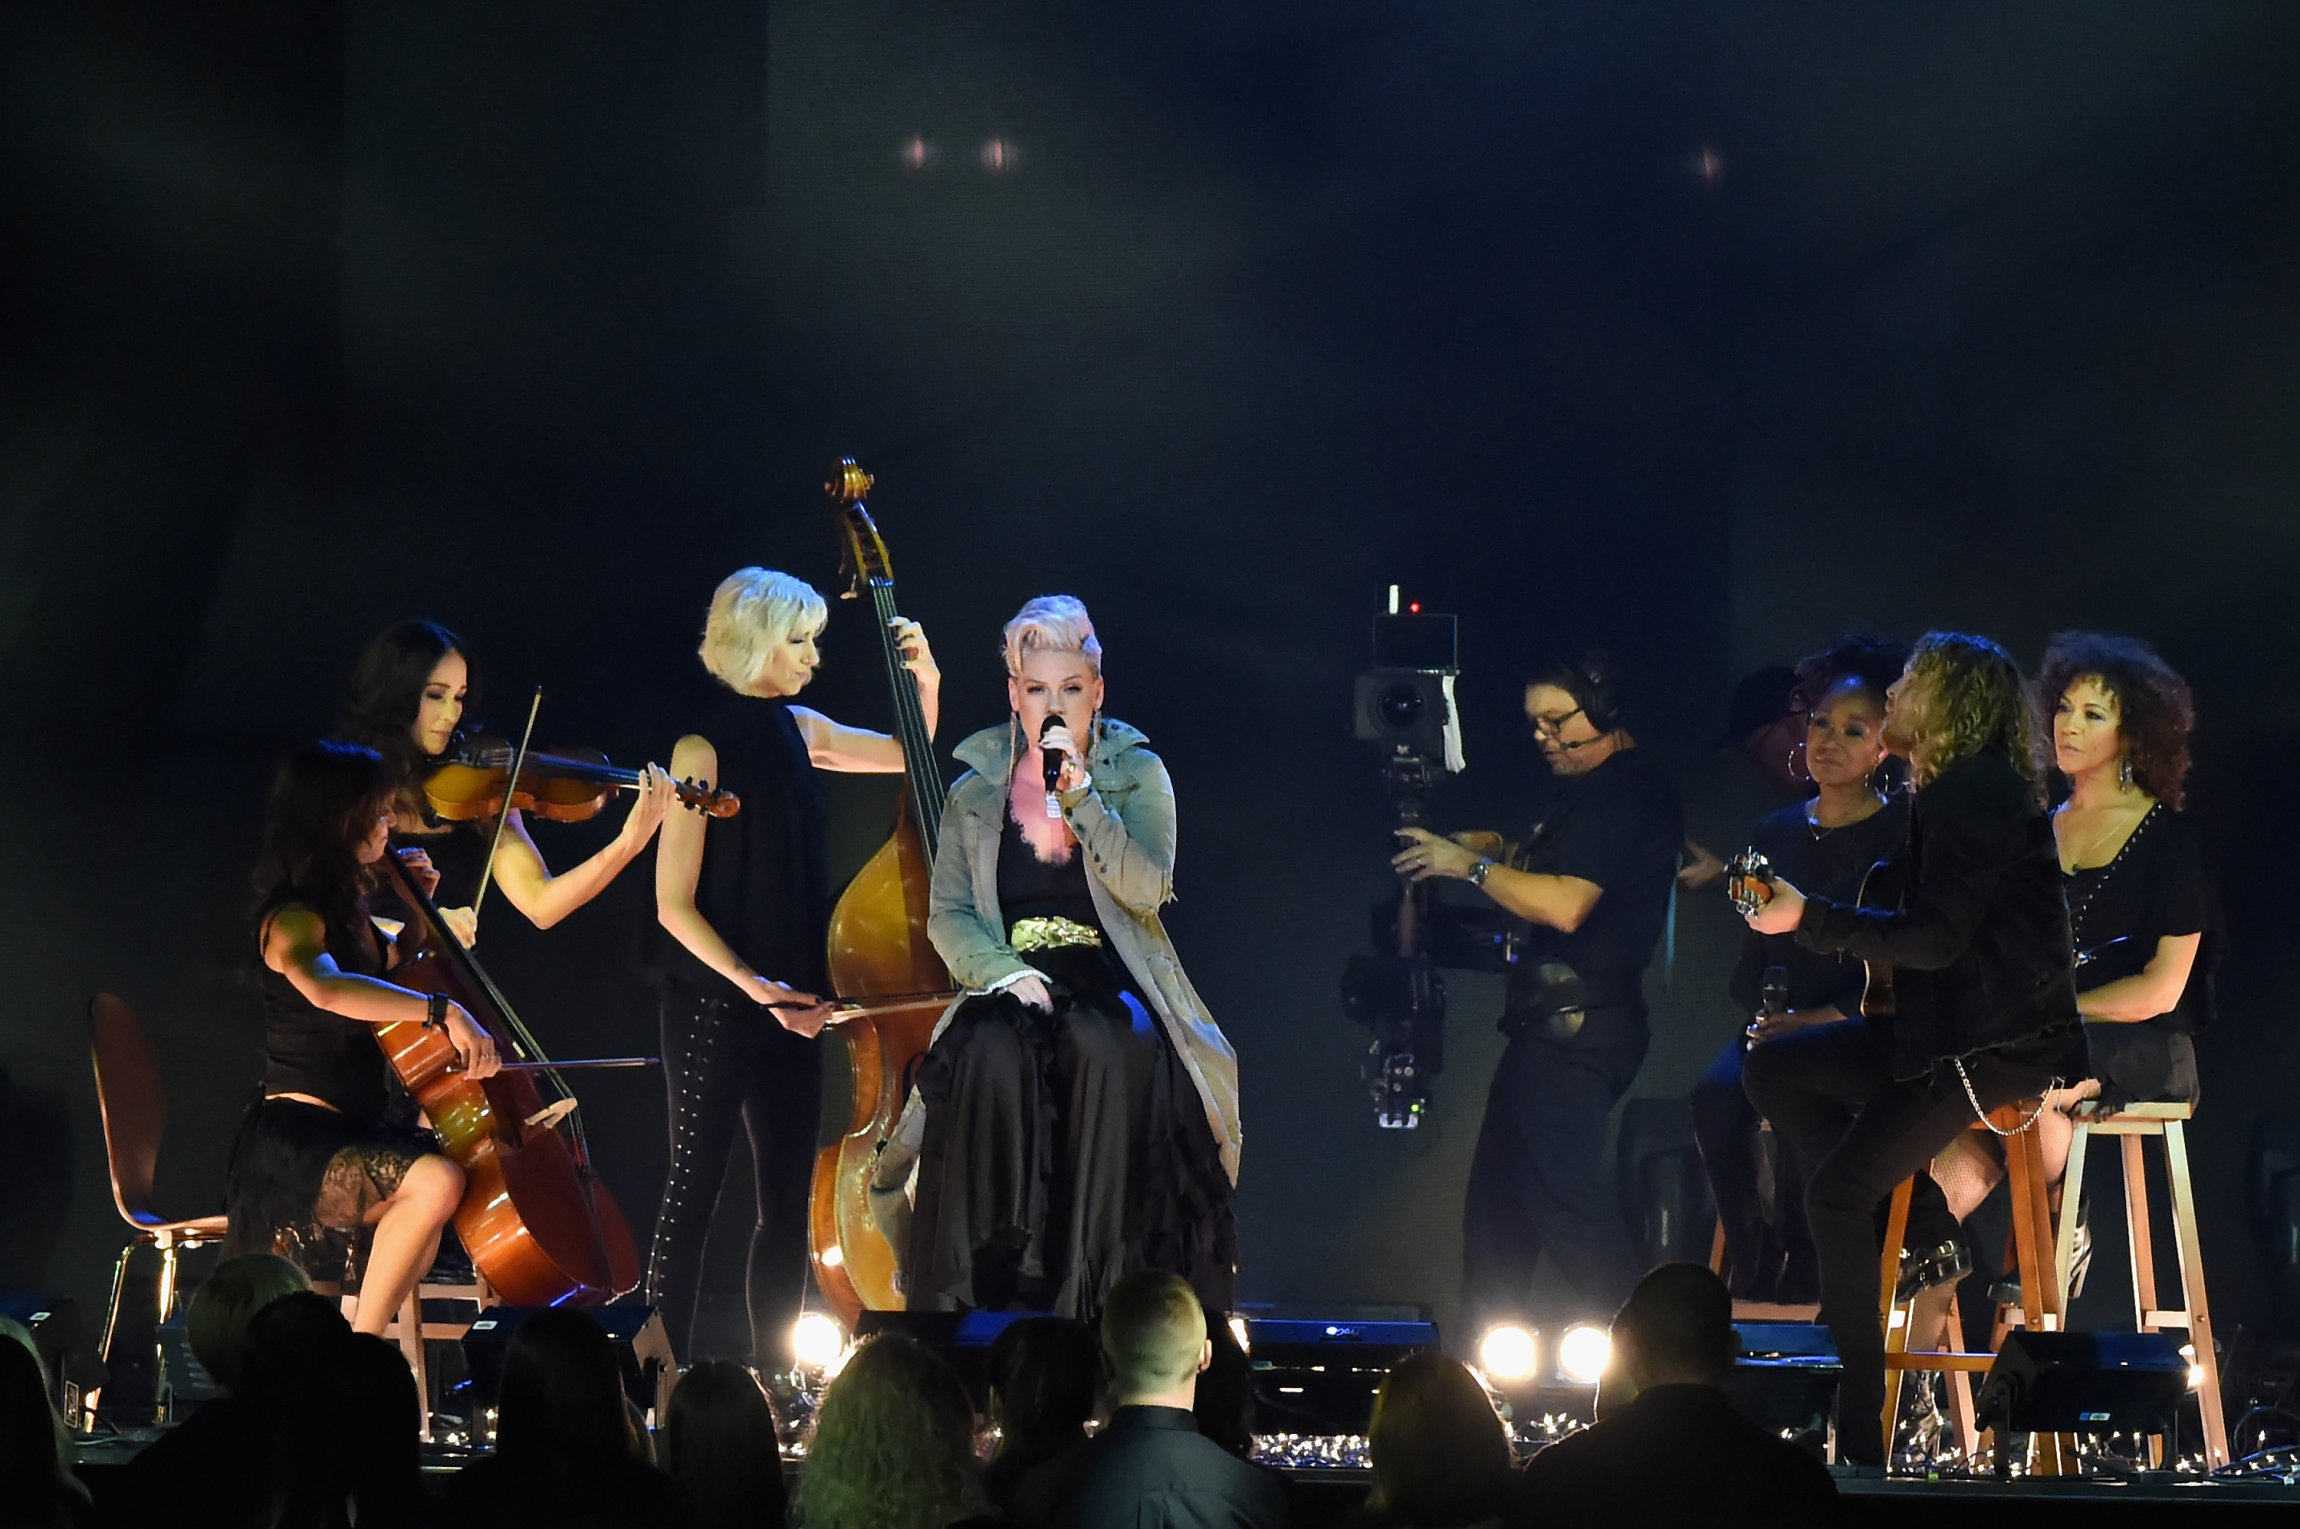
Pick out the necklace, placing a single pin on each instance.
(1821, 830)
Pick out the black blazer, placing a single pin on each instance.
(1150, 1468)
(1675, 1453)
(1980, 945)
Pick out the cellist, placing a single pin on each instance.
(406, 702)
(333, 1145)
(744, 906)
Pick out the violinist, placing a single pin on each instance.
(332, 1146)
(408, 692)
(743, 906)
(1080, 1110)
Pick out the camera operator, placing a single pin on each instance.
(1592, 883)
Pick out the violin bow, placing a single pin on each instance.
(510, 788)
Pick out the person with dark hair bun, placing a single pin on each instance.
(1044, 1375)
(406, 701)
(1827, 845)
(564, 1450)
(333, 1146)
(1591, 885)
(2143, 914)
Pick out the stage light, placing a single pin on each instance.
(817, 1342)
(1507, 1352)
(1238, 1331)
(2195, 1370)
(1583, 1353)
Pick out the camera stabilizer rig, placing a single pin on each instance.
(1405, 706)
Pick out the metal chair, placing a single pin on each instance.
(135, 1109)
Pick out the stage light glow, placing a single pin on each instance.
(1238, 1331)
(817, 1341)
(1583, 1353)
(2195, 1370)
(833, 1256)
(998, 156)
(916, 151)
(1507, 1352)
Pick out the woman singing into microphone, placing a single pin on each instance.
(1080, 1111)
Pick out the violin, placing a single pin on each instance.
(539, 1225)
(564, 785)
(894, 985)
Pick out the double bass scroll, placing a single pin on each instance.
(878, 951)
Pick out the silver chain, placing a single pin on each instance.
(1982, 1115)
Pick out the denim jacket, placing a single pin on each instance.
(1124, 820)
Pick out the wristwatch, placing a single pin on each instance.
(1478, 873)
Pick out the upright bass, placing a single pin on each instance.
(878, 949)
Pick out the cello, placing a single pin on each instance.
(878, 948)
(539, 1226)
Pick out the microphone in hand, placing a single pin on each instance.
(1050, 764)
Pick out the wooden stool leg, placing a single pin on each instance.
(2032, 1202)
(1889, 1275)
(2192, 1297)
(1717, 1251)
(1960, 1384)
(2071, 1212)
(411, 1345)
(2137, 1235)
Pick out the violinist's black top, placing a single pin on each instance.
(310, 1051)
(765, 882)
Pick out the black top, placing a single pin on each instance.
(459, 855)
(1979, 944)
(1828, 862)
(1029, 887)
(1150, 1468)
(307, 1050)
(1675, 1454)
(2154, 887)
(765, 885)
(1621, 827)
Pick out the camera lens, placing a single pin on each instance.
(1400, 706)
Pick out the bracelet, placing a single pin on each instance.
(435, 1012)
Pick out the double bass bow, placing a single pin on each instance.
(891, 983)
(539, 1225)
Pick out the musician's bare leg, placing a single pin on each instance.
(407, 1228)
(1969, 1169)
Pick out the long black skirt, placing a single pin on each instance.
(1063, 1151)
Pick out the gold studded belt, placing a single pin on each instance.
(1051, 934)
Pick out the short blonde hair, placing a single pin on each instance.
(754, 611)
(1153, 1332)
(1052, 624)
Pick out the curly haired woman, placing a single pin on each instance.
(893, 1445)
(2143, 913)
(1985, 1009)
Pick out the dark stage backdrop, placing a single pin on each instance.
(1703, 333)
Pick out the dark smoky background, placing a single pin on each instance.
(1702, 333)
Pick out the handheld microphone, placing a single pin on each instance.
(1774, 1001)
(1050, 765)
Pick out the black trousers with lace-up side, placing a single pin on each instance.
(725, 1059)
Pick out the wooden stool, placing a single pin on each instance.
(410, 1329)
(2135, 1123)
(2041, 1304)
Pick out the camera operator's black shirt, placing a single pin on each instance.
(1621, 827)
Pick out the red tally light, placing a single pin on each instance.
(1413, 607)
